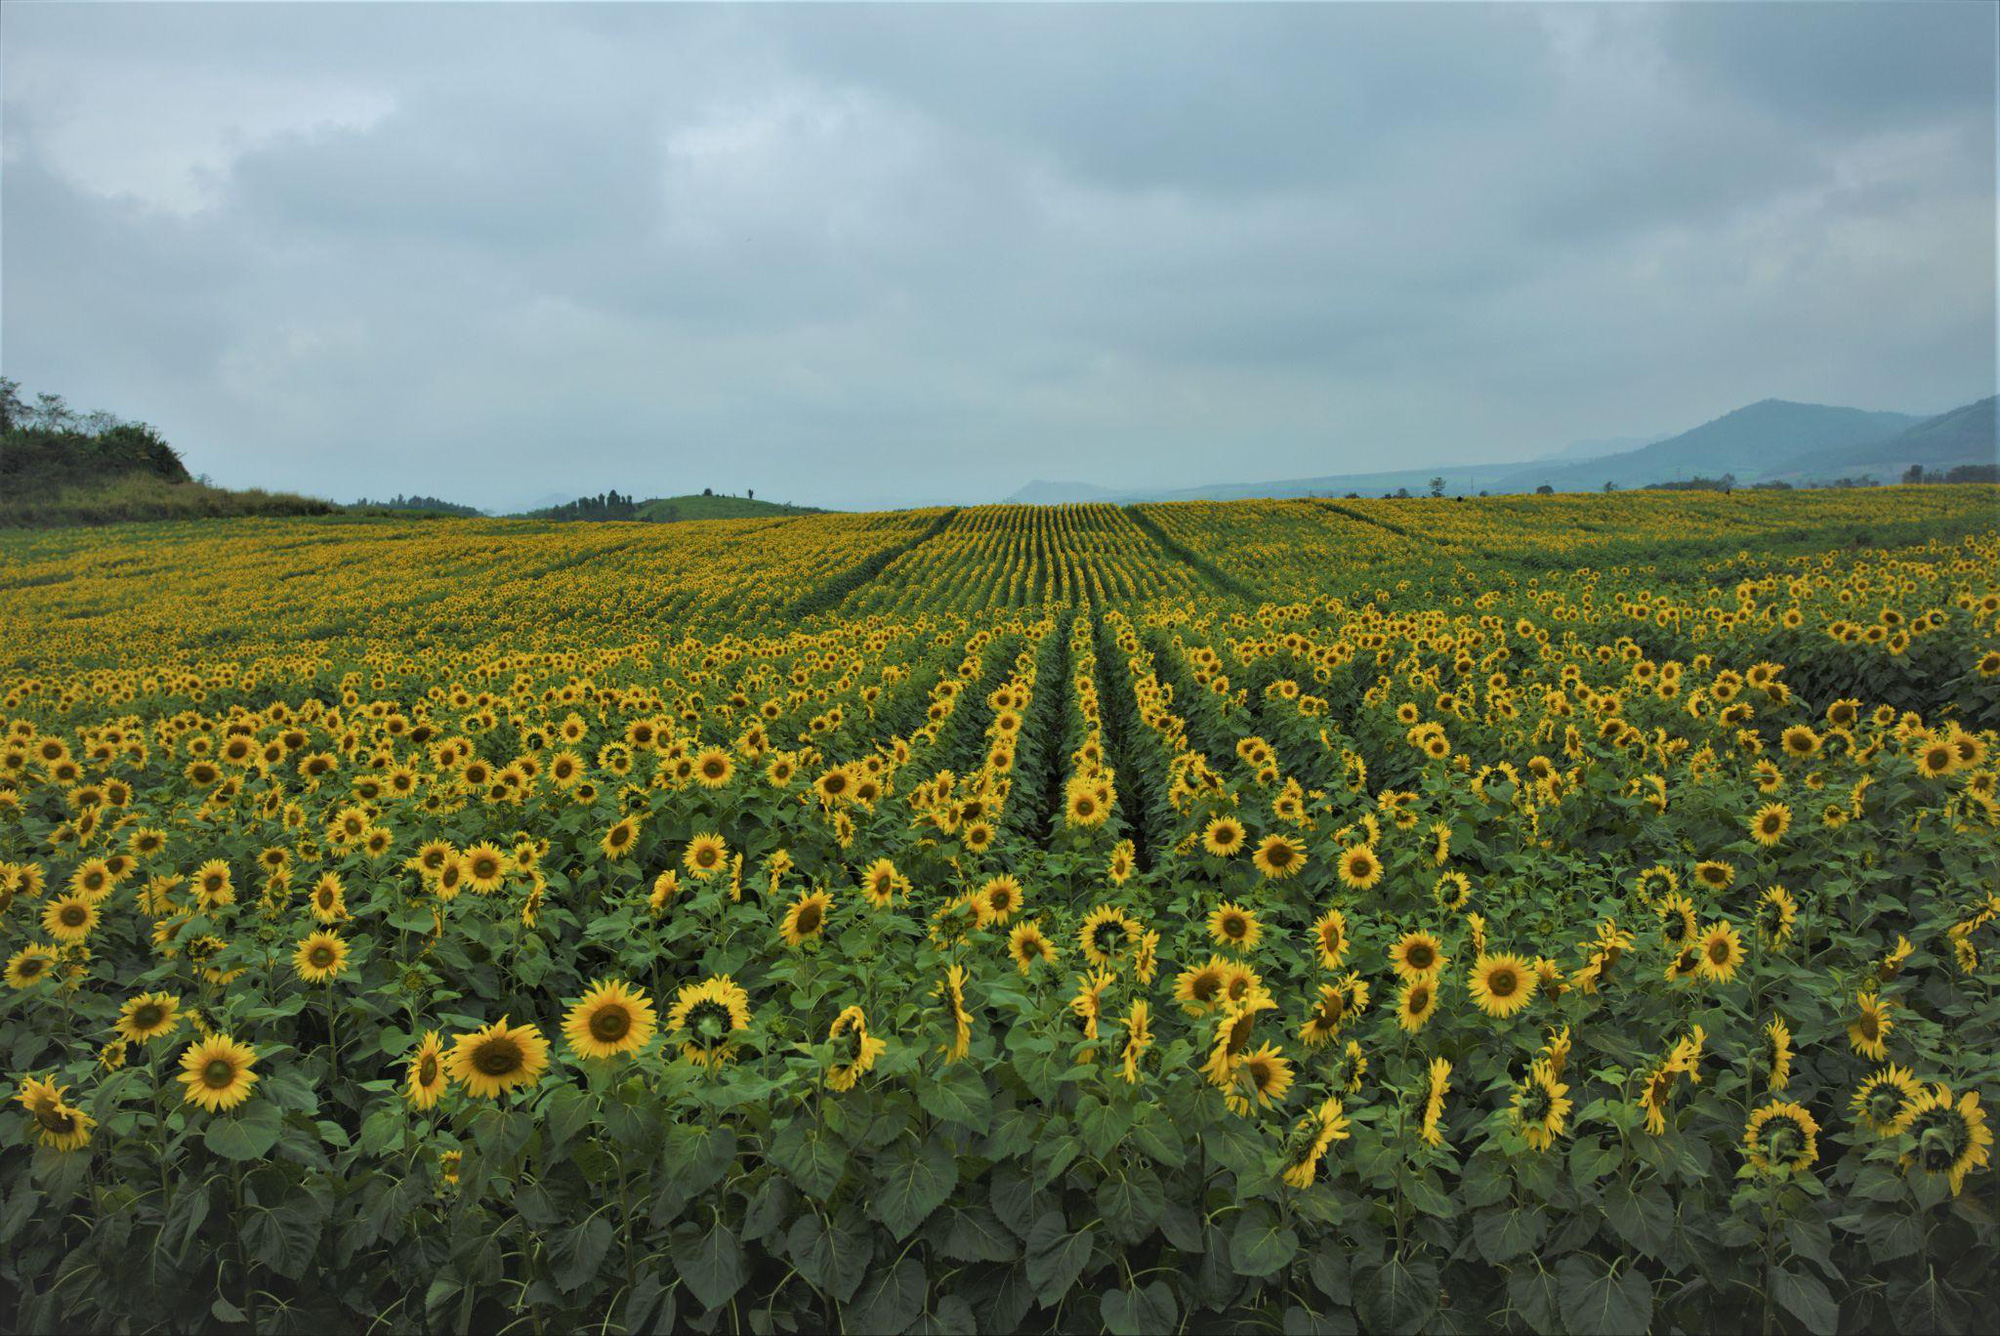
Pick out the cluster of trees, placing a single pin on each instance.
(46, 445)
(1963, 473)
(609, 505)
(428, 504)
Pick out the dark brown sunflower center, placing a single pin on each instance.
(218, 1073)
(485, 868)
(1421, 957)
(809, 917)
(73, 916)
(427, 1070)
(499, 1056)
(1420, 999)
(149, 1015)
(609, 1024)
(1503, 983)
(321, 956)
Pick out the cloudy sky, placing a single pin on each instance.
(888, 254)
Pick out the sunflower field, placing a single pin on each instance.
(1567, 914)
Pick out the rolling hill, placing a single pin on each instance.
(667, 509)
(1963, 436)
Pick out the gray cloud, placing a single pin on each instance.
(869, 255)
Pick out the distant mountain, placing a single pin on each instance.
(1042, 493)
(1746, 443)
(1610, 445)
(1962, 436)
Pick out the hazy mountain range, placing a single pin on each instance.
(1773, 440)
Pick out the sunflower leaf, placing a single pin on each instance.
(248, 1134)
(958, 1096)
(1599, 1298)
(1056, 1257)
(890, 1300)
(913, 1183)
(1262, 1244)
(711, 1263)
(1135, 1312)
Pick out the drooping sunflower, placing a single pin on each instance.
(1777, 1054)
(1781, 1137)
(706, 855)
(1088, 1003)
(665, 886)
(1416, 1004)
(1502, 984)
(1678, 925)
(320, 958)
(217, 1072)
(1353, 1067)
(1770, 824)
(1330, 939)
(1358, 867)
(805, 918)
(610, 1020)
(855, 1050)
(499, 1058)
(1310, 1137)
(30, 965)
(1885, 1102)
(1776, 913)
(1721, 951)
(1199, 988)
(1002, 896)
(1224, 837)
(1280, 856)
(425, 1080)
(149, 1016)
(1432, 1131)
(1258, 1080)
(69, 919)
(1336, 1005)
(953, 990)
(706, 1015)
(1232, 926)
(1541, 1105)
(61, 1127)
(1232, 1038)
(1106, 931)
(1138, 1038)
(1418, 955)
(1871, 1025)
(1027, 944)
(1952, 1138)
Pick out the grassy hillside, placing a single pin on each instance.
(140, 496)
(667, 509)
(1962, 436)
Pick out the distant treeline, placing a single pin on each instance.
(428, 504)
(604, 506)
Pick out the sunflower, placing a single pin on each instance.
(1501, 985)
(69, 919)
(805, 918)
(1871, 1027)
(1000, 897)
(320, 958)
(1258, 1080)
(707, 854)
(1891, 963)
(1770, 824)
(1952, 1138)
(953, 989)
(1309, 1140)
(1776, 913)
(1234, 927)
(216, 1072)
(1432, 1130)
(1677, 919)
(1541, 1104)
(1146, 960)
(485, 867)
(610, 1020)
(1781, 1137)
(1088, 1004)
(1358, 867)
(1353, 1067)
(1887, 1101)
(30, 965)
(329, 898)
(1232, 1037)
(1452, 892)
(1138, 1038)
(1330, 939)
(1120, 865)
(705, 1015)
(149, 1016)
(424, 1083)
(713, 769)
(1106, 931)
(977, 836)
(855, 1050)
(835, 786)
(1778, 1054)
(63, 1128)
(1223, 836)
(1199, 989)
(1027, 944)
(664, 888)
(1338, 1003)
(1653, 1095)
(1418, 955)
(1279, 856)
(212, 884)
(1714, 874)
(1416, 1004)
(1721, 950)
(1799, 742)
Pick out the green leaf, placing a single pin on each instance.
(1644, 1219)
(976, 1235)
(1400, 1295)
(711, 1263)
(830, 1256)
(1131, 1202)
(246, 1134)
(576, 1253)
(958, 1096)
(284, 1238)
(890, 1300)
(912, 1182)
(1056, 1257)
(810, 1156)
(1805, 1297)
(1138, 1312)
(1503, 1236)
(1262, 1245)
(1597, 1298)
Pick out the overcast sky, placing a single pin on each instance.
(881, 255)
